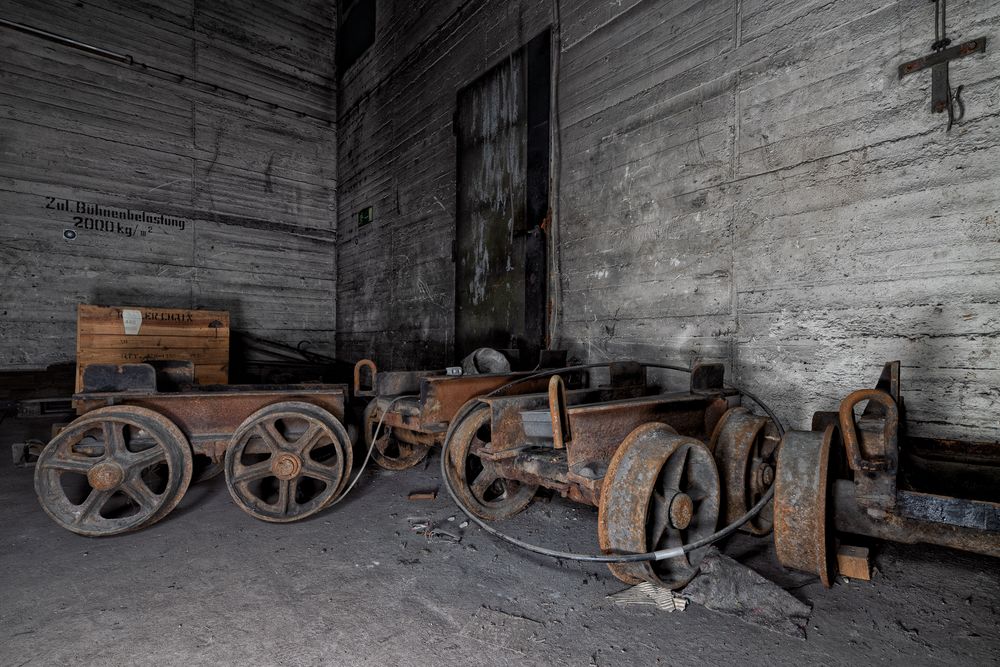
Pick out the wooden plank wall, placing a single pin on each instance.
(741, 180)
(227, 127)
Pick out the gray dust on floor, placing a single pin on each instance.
(382, 580)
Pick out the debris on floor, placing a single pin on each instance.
(423, 495)
(649, 594)
(728, 587)
(429, 529)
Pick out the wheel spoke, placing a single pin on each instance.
(661, 517)
(80, 466)
(252, 473)
(94, 503)
(324, 473)
(268, 432)
(114, 438)
(670, 538)
(483, 481)
(283, 489)
(141, 494)
(478, 445)
(676, 467)
(146, 457)
(306, 441)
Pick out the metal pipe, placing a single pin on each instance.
(66, 41)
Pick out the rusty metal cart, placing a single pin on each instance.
(662, 469)
(418, 405)
(864, 476)
(129, 458)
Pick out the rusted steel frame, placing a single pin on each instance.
(599, 429)
(417, 438)
(209, 418)
(850, 517)
(397, 419)
(507, 426)
(442, 397)
(396, 383)
(547, 468)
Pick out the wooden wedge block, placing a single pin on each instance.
(852, 562)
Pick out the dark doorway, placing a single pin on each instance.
(502, 124)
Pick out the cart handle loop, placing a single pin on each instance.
(372, 372)
(883, 459)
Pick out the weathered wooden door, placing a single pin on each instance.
(502, 125)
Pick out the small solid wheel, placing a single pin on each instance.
(475, 480)
(287, 461)
(661, 491)
(390, 452)
(745, 447)
(801, 493)
(113, 470)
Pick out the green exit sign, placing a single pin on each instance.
(365, 216)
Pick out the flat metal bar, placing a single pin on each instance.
(939, 57)
(954, 511)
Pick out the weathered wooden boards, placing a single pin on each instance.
(131, 335)
(745, 181)
(94, 155)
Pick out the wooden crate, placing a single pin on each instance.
(124, 335)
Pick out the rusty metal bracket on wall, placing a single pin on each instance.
(943, 97)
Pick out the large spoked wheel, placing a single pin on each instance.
(661, 491)
(113, 470)
(288, 461)
(391, 451)
(801, 503)
(745, 447)
(475, 480)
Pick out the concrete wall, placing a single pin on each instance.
(225, 124)
(741, 180)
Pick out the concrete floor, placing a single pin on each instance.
(355, 585)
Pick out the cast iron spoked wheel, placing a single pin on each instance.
(801, 493)
(390, 453)
(113, 470)
(288, 461)
(661, 491)
(745, 447)
(475, 480)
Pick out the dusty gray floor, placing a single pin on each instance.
(209, 585)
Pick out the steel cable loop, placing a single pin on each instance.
(662, 554)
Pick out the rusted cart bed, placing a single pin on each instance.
(129, 458)
(663, 468)
(418, 406)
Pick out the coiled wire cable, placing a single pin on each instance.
(661, 554)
